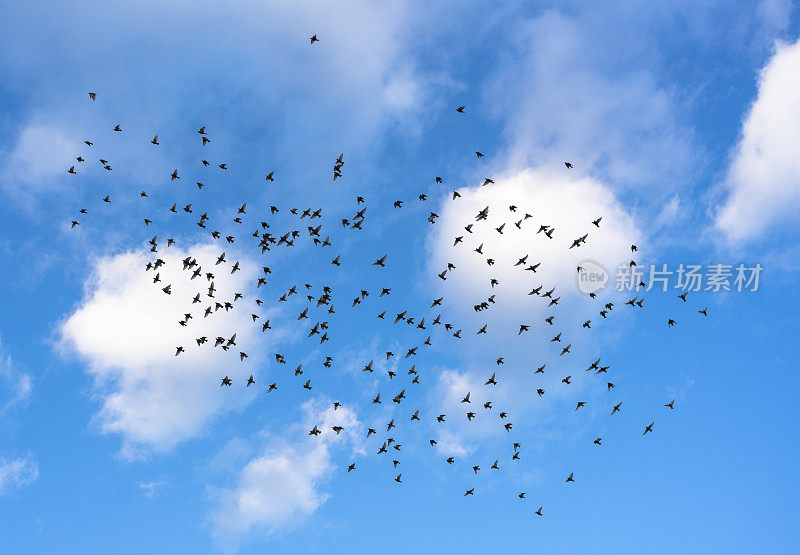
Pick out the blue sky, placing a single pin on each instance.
(680, 121)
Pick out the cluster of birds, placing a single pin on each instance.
(318, 309)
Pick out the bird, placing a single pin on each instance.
(314, 39)
(461, 109)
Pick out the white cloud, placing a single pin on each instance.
(569, 202)
(558, 198)
(578, 94)
(454, 434)
(764, 176)
(282, 486)
(450, 444)
(127, 331)
(151, 489)
(670, 213)
(360, 77)
(16, 473)
(402, 92)
(19, 384)
(275, 489)
(41, 153)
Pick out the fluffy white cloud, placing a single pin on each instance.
(127, 330)
(557, 198)
(281, 486)
(16, 473)
(764, 176)
(568, 202)
(275, 489)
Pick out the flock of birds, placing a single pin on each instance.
(318, 309)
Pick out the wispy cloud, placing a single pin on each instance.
(19, 383)
(16, 473)
(152, 488)
(610, 116)
(41, 154)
